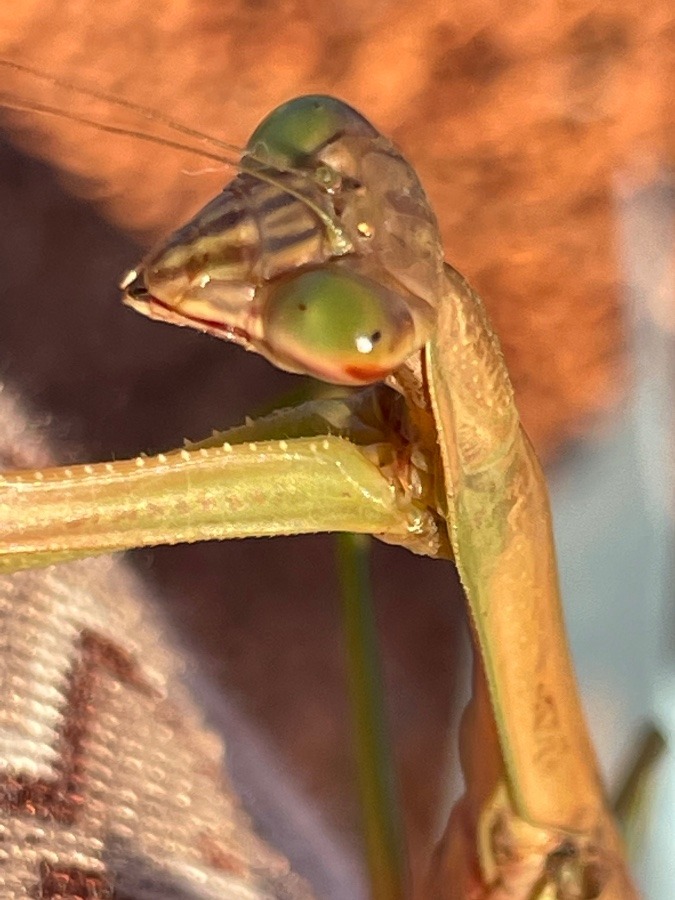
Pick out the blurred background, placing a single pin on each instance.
(543, 135)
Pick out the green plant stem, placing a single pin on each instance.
(381, 813)
(635, 794)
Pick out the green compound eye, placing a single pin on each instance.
(337, 326)
(297, 129)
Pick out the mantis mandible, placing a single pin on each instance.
(324, 256)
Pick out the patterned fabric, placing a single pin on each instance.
(110, 787)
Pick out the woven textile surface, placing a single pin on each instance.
(109, 784)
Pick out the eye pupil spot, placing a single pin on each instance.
(302, 307)
(375, 337)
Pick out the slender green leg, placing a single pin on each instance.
(381, 812)
(247, 482)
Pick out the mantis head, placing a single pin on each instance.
(322, 254)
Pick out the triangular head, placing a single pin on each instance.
(322, 254)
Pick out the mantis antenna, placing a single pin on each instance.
(151, 114)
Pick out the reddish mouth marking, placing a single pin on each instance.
(212, 325)
(366, 374)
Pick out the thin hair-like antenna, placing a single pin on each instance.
(152, 115)
(11, 101)
(340, 243)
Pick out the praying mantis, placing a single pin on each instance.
(323, 255)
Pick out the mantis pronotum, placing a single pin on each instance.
(324, 256)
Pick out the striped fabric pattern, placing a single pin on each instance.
(110, 786)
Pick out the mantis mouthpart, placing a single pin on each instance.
(324, 256)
